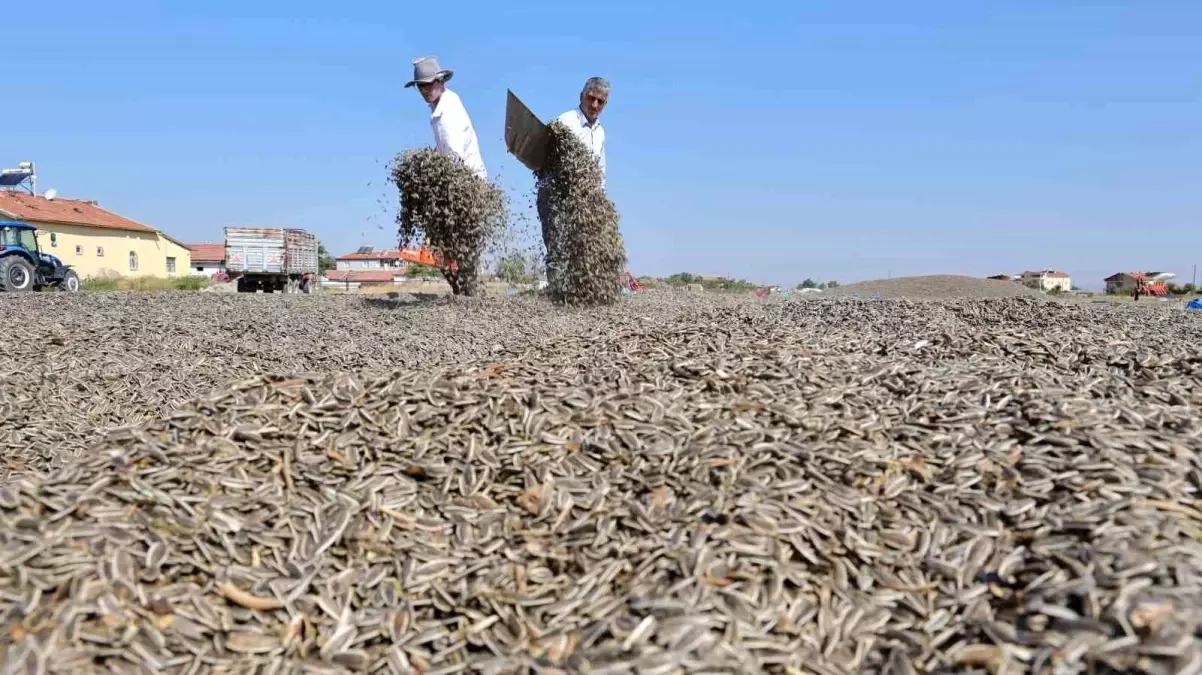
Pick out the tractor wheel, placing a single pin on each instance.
(70, 282)
(16, 274)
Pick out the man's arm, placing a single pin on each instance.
(601, 161)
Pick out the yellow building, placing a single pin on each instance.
(96, 242)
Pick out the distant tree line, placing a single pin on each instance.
(810, 283)
(712, 284)
(421, 270)
(516, 268)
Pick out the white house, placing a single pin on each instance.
(207, 259)
(1050, 280)
(367, 258)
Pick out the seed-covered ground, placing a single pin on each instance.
(73, 365)
(933, 287)
(673, 484)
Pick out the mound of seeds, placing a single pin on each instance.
(586, 256)
(934, 287)
(783, 486)
(74, 365)
(448, 207)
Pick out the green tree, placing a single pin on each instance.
(421, 270)
(808, 283)
(682, 278)
(325, 262)
(513, 269)
(1189, 289)
(1034, 282)
(832, 284)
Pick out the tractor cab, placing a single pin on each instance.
(18, 236)
(24, 267)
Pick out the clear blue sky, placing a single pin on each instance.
(766, 140)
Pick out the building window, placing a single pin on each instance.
(54, 240)
(170, 265)
(78, 249)
(99, 251)
(133, 261)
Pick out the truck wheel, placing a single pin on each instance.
(16, 274)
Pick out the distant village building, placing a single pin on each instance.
(95, 241)
(207, 259)
(367, 258)
(1049, 280)
(369, 267)
(352, 279)
(1125, 283)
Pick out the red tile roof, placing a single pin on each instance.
(417, 255)
(1138, 276)
(22, 206)
(374, 255)
(387, 254)
(361, 276)
(204, 253)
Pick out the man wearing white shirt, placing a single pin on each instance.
(585, 123)
(454, 135)
(585, 120)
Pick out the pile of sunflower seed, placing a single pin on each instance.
(669, 485)
(586, 257)
(446, 206)
(933, 287)
(75, 364)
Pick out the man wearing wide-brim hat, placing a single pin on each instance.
(453, 131)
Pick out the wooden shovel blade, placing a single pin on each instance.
(525, 134)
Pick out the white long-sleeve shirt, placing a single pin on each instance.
(593, 136)
(454, 134)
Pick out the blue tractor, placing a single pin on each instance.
(23, 266)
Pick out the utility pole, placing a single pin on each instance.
(1195, 280)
